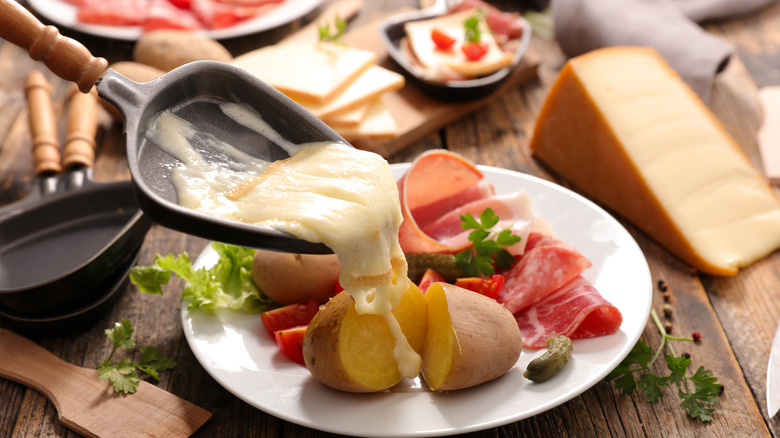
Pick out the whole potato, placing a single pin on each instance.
(167, 49)
(295, 278)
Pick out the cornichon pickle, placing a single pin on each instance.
(547, 365)
(444, 264)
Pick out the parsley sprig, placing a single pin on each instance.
(123, 375)
(471, 29)
(335, 35)
(486, 254)
(696, 392)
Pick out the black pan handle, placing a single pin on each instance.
(65, 57)
(43, 125)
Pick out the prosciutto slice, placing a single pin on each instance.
(576, 310)
(435, 176)
(547, 264)
(514, 209)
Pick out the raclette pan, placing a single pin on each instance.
(194, 92)
(69, 233)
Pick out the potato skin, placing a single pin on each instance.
(167, 49)
(487, 344)
(295, 278)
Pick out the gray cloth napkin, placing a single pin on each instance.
(670, 26)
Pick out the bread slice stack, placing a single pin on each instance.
(341, 85)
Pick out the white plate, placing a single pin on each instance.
(64, 14)
(235, 349)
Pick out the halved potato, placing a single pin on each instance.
(355, 353)
(470, 338)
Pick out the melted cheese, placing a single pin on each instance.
(325, 193)
(622, 126)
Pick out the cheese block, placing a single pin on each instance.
(624, 128)
(433, 59)
(305, 71)
(372, 82)
(351, 117)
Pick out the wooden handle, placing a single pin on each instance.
(65, 57)
(82, 126)
(43, 125)
(28, 363)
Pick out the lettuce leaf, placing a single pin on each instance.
(227, 284)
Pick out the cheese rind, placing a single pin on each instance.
(623, 127)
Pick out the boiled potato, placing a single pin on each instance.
(470, 338)
(295, 278)
(167, 49)
(353, 352)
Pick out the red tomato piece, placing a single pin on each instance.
(474, 51)
(488, 286)
(429, 277)
(441, 39)
(289, 316)
(290, 341)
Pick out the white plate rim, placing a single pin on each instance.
(410, 411)
(64, 14)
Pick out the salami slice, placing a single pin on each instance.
(547, 264)
(576, 310)
(163, 14)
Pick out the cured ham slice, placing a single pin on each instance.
(514, 209)
(113, 12)
(547, 264)
(576, 310)
(434, 176)
(216, 15)
(163, 14)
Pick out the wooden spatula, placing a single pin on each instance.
(89, 405)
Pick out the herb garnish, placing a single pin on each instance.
(486, 254)
(340, 26)
(471, 27)
(123, 375)
(704, 391)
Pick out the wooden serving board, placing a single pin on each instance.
(416, 114)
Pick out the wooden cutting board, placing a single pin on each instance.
(416, 114)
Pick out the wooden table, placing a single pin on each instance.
(736, 316)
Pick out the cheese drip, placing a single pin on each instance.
(326, 193)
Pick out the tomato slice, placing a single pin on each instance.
(474, 50)
(289, 316)
(429, 277)
(290, 341)
(488, 286)
(441, 39)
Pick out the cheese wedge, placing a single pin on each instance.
(623, 127)
(372, 82)
(306, 71)
(377, 124)
(418, 34)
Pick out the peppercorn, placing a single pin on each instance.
(667, 297)
(662, 285)
(696, 336)
(668, 310)
(686, 355)
(668, 327)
